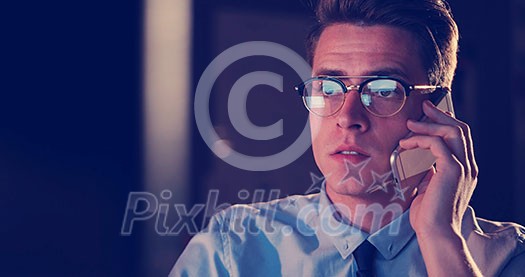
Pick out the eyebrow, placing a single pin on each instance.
(330, 72)
(385, 71)
(390, 71)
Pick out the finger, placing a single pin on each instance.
(470, 149)
(451, 134)
(439, 116)
(445, 160)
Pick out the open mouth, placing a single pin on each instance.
(349, 152)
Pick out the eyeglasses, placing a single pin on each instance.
(382, 96)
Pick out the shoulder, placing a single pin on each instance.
(508, 235)
(245, 234)
(258, 216)
(496, 246)
(508, 231)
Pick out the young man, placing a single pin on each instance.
(376, 64)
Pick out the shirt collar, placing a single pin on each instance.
(393, 237)
(389, 240)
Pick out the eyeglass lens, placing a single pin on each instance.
(382, 97)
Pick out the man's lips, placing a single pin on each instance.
(353, 154)
(350, 151)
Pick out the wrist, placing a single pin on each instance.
(446, 247)
(441, 236)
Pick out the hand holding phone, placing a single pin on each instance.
(406, 163)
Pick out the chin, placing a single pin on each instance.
(348, 187)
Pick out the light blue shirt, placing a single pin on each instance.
(302, 236)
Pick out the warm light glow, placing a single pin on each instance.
(167, 69)
(166, 94)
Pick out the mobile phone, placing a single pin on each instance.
(406, 163)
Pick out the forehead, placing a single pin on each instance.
(348, 49)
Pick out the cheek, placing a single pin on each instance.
(320, 136)
(395, 128)
(413, 108)
(317, 129)
(390, 134)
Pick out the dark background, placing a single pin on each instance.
(71, 124)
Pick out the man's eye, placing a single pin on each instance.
(330, 88)
(328, 91)
(384, 88)
(386, 93)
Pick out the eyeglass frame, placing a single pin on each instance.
(425, 89)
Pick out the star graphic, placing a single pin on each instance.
(399, 193)
(291, 201)
(380, 182)
(350, 168)
(316, 183)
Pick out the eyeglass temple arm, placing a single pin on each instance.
(428, 89)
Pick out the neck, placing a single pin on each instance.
(372, 211)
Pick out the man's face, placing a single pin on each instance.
(346, 49)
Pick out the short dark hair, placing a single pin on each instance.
(430, 21)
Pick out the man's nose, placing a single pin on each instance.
(353, 115)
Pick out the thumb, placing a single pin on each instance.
(423, 185)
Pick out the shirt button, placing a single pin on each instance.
(345, 245)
